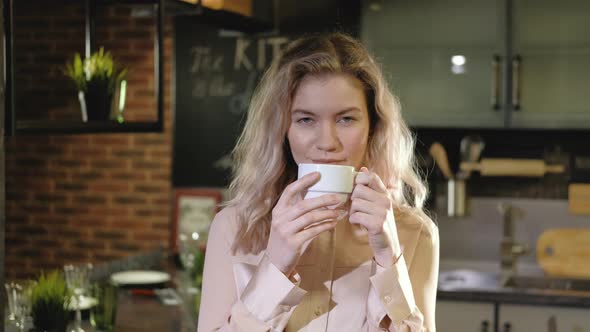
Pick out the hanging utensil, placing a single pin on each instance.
(438, 152)
(470, 148)
(512, 167)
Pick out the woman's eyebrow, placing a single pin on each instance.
(349, 109)
(307, 112)
(304, 112)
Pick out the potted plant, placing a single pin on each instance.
(50, 299)
(97, 79)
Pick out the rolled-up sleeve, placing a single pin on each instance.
(406, 298)
(267, 301)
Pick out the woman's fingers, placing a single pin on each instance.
(313, 231)
(364, 192)
(310, 204)
(294, 189)
(365, 220)
(371, 180)
(311, 218)
(368, 207)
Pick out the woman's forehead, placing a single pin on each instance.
(329, 92)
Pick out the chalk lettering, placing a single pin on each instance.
(199, 88)
(204, 61)
(219, 88)
(276, 43)
(241, 58)
(261, 54)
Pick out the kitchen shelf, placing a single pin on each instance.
(37, 127)
(16, 126)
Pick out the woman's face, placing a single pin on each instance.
(329, 121)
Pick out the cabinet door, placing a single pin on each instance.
(464, 316)
(417, 42)
(523, 318)
(553, 40)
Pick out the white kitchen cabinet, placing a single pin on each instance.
(551, 38)
(415, 42)
(484, 64)
(458, 316)
(524, 318)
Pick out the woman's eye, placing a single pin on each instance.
(305, 120)
(347, 119)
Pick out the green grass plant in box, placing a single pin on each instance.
(50, 299)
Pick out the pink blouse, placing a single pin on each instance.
(337, 287)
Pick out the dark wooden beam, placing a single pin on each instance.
(2, 171)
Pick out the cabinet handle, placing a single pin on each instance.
(552, 324)
(496, 72)
(507, 327)
(484, 326)
(516, 61)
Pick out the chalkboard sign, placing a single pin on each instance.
(216, 73)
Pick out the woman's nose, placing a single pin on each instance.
(327, 138)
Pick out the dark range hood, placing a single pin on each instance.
(260, 21)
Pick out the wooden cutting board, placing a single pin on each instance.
(565, 252)
(579, 198)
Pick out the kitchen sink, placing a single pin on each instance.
(525, 282)
(465, 279)
(468, 280)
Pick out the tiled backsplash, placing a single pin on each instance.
(476, 238)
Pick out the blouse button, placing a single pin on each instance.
(387, 299)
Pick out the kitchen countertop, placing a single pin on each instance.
(485, 286)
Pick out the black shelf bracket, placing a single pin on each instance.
(9, 117)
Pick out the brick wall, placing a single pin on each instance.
(91, 197)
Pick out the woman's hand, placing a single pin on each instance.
(295, 222)
(372, 208)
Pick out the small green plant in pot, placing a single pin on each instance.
(50, 299)
(98, 79)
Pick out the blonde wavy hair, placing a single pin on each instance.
(262, 150)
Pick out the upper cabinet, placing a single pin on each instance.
(552, 41)
(484, 64)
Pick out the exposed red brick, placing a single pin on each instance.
(149, 236)
(129, 175)
(78, 198)
(125, 153)
(129, 199)
(94, 152)
(109, 187)
(50, 220)
(111, 140)
(109, 164)
(118, 212)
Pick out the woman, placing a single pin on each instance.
(277, 262)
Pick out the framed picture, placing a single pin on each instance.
(194, 210)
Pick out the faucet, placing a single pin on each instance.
(509, 249)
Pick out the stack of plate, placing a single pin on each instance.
(138, 278)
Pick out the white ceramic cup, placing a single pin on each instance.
(335, 179)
